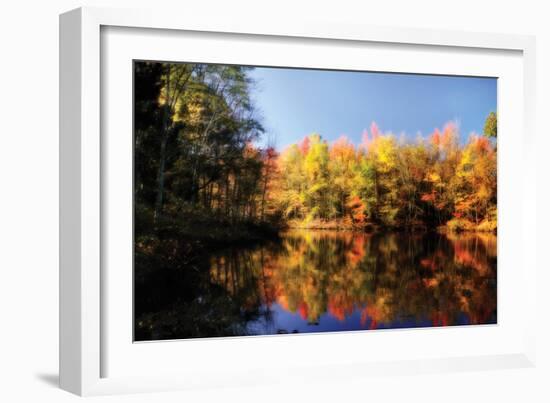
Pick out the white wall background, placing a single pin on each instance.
(29, 200)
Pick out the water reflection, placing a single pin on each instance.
(321, 281)
(314, 281)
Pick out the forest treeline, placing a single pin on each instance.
(390, 182)
(199, 170)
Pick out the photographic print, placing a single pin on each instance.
(274, 201)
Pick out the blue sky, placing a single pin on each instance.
(294, 103)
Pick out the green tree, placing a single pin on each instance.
(490, 128)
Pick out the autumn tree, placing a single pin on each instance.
(342, 167)
(196, 129)
(292, 185)
(476, 182)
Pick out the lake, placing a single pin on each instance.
(318, 281)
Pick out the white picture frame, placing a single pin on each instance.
(83, 306)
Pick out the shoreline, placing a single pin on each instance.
(377, 228)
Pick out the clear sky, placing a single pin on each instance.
(295, 102)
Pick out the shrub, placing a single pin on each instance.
(460, 224)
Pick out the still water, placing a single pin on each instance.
(318, 281)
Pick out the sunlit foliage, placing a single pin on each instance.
(388, 182)
(490, 128)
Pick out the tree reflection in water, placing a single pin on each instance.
(314, 281)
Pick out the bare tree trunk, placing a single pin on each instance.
(164, 140)
(227, 196)
(160, 177)
(376, 195)
(137, 177)
(263, 196)
(235, 201)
